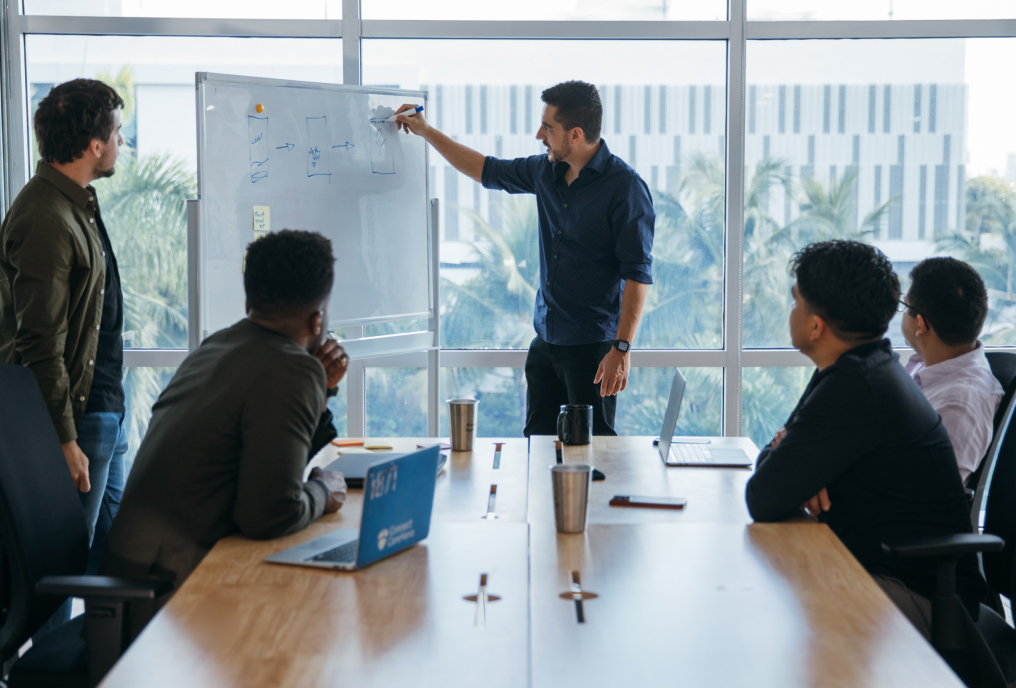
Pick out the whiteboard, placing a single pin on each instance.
(315, 159)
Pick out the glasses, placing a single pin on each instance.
(903, 305)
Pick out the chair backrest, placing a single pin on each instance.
(1003, 366)
(42, 524)
(999, 481)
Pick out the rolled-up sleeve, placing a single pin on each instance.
(634, 223)
(514, 176)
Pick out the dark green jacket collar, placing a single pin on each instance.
(67, 186)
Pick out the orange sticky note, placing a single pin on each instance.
(347, 442)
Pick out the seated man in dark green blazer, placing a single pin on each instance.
(231, 435)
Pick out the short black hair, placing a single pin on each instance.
(851, 285)
(952, 298)
(71, 116)
(578, 105)
(288, 271)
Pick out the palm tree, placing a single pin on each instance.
(144, 210)
(989, 245)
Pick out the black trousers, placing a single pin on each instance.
(559, 375)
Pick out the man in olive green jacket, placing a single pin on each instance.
(61, 307)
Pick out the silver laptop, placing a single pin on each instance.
(397, 503)
(698, 451)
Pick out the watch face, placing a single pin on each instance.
(622, 345)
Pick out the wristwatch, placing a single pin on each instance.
(622, 345)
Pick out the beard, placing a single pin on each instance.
(103, 172)
(559, 154)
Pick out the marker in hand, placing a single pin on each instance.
(407, 113)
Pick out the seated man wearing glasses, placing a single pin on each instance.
(863, 450)
(944, 311)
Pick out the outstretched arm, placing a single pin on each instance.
(463, 158)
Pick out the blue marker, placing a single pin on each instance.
(407, 113)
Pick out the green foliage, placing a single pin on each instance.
(989, 244)
(144, 210)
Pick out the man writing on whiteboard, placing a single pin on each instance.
(596, 235)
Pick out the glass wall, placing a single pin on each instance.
(664, 114)
(872, 10)
(234, 9)
(548, 10)
(144, 203)
(906, 143)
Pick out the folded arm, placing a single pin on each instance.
(828, 433)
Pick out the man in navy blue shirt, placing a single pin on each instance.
(596, 235)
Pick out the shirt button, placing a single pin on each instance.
(559, 231)
(96, 327)
(103, 254)
(102, 291)
(91, 221)
(565, 205)
(555, 256)
(91, 363)
(549, 310)
(81, 398)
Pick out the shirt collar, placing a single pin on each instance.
(597, 163)
(971, 359)
(67, 186)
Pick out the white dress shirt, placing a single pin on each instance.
(966, 395)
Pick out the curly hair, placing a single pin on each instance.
(71, 116)
(951, 297)
(851, 285)
(578, 105)
(288, 271)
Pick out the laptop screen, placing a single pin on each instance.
(670, 417)
(398, 498)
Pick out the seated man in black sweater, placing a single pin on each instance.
(863, 450)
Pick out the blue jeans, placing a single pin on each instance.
(102, 438)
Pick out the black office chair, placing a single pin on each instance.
(1003, 366)
(981, 653)
(44, 548)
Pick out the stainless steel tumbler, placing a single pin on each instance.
(571, 496)
(462, 418)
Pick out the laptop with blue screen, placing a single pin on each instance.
(397, 503)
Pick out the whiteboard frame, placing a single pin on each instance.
(356, 348)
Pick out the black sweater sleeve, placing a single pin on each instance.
(830, 430)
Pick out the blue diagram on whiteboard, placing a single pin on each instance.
(257, 136)
(317, 147)
(382, 159)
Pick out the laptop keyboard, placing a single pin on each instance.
(689, 453)
(343, 554)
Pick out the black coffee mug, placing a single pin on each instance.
(575, 423)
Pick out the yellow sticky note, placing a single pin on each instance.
(262, 221)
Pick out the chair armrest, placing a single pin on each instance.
(103, 587)
(945, 546)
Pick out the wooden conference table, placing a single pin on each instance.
(697, 597)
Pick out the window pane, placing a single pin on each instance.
(607, 10)
(664, 114)
(232, 9)
(770, 394)
(905, 144)
(788, 10)
(500, 391)
(142, 387)
(396, 402)
(144, 202)
(641, 406)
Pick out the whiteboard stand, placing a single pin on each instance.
(434, 354)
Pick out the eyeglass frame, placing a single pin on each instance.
(907, 306)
